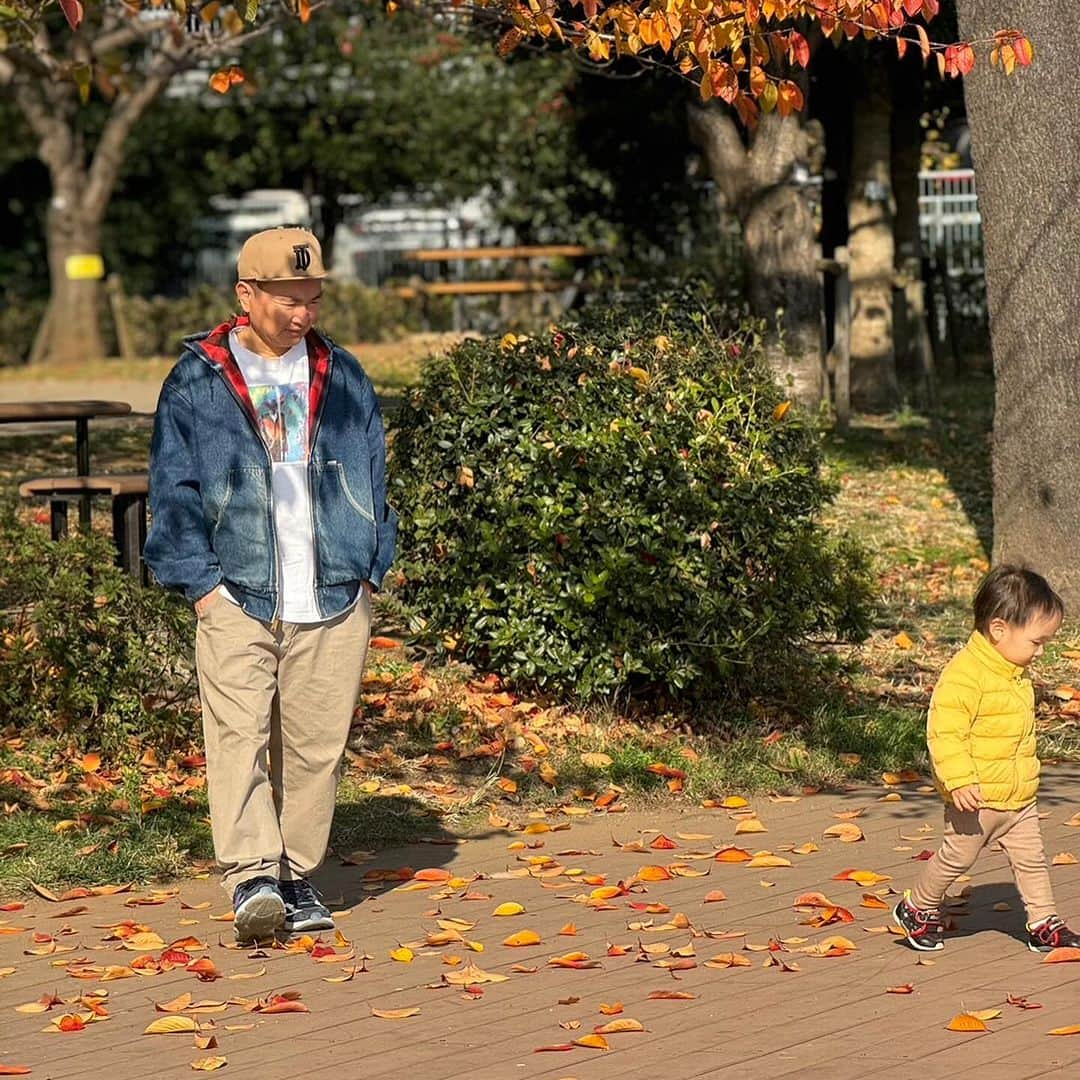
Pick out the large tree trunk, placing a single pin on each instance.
(71, 332)
(783, 284)
(1027, 168)
(874, 387)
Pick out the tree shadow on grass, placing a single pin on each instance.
(954, 437)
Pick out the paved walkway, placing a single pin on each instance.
(831, 1018)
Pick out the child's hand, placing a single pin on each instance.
(968, 798)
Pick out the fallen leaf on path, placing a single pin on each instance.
(209, 1064)
(904, 988)
(846, 831)
(966, 1022)
(1062, 956)
(395, 1014)
(171, 1025)
(614, 1027)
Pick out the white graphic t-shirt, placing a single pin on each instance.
(279, 391)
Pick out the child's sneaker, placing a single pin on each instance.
(1051, 933)
(922, 929)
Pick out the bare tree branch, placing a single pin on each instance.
(125, 114)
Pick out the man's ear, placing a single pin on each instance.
(244, 295)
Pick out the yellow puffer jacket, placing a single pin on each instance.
(981, 727)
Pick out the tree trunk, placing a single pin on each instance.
(874, 387)
(1027, 167)
(914, 356)
(72, 329)
(783, 284)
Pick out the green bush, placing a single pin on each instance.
(87, 652)
(624, 504)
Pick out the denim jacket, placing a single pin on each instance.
(210, 480)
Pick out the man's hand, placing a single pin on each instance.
(204, 603)
(968, 798)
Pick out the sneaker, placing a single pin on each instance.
(922, 929)
(304, 909)
(258, 909)
(1051, 933)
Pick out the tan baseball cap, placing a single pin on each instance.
(281, 254)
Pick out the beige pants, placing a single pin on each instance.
(276, 704)
(967, 833)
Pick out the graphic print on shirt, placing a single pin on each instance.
(282, 413)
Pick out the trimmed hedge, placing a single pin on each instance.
(628, 503)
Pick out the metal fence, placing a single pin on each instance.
(952, 241)
(949, 220)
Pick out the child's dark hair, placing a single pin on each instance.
(1015, 594)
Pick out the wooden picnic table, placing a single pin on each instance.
(48, 412)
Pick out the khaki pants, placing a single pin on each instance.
(276, 704)
(967, 833)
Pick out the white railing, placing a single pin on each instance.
(949, 220)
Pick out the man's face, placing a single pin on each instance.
(281, 312)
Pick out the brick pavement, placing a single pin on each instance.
(830, 1019)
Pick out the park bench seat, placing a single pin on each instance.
(128, 492)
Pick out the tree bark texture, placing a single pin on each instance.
(783, 284)
(871, 212)
(1027, 168)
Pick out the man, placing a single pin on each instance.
(268, 502)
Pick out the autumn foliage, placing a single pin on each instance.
(623, 503)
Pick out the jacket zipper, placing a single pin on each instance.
(311, 493)
(275, 622)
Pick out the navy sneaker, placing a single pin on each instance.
(258, 909)
(304, 909)
(1051, 933)
(923, 930)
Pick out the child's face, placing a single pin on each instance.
(1020, 643)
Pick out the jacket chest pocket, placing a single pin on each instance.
(334, 486)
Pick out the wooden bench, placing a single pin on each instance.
(522, 257)
(128, 492)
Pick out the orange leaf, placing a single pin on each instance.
(380, 642)
(432, 874)
(813, 899)
(715, 896)
(1062, 956)
(611, 1010)
(594, 1042)
(613, 1027)
(522, 938)
(905, 988)
(285, 1007)
(966, 1022)
(733, 854)
(666, 771)
(672, 995)
(663, 843)
(14, 1070)
(1072, 1029)
(653, 873)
